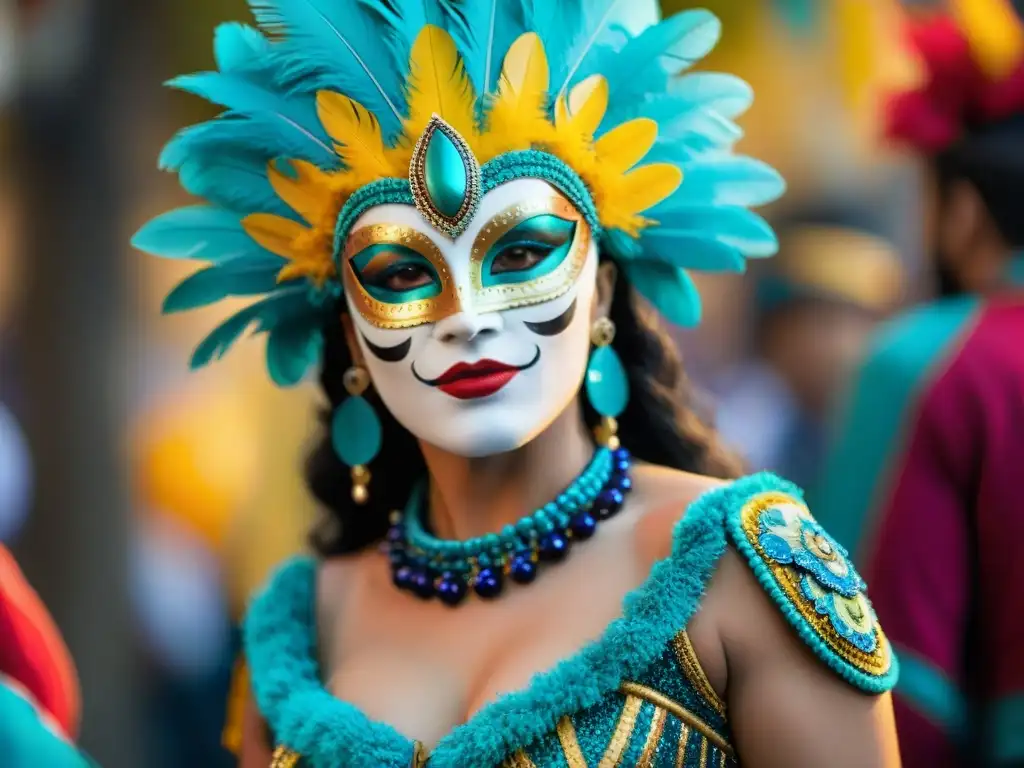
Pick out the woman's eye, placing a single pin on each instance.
(516, 259)
(407, 277)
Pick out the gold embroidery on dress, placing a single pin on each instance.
(681, 712)
(788, 579)
(684, 741)
(694, 672)
(623, 732)
(520, 760)
(284, 758)
(419, 755)
(570, 743)
(703, 753)
(653, 739)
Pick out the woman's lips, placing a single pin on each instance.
(468, 381)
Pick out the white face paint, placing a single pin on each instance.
(529, 363)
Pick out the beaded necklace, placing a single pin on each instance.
(431, 567)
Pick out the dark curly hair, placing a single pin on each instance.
(658, 426)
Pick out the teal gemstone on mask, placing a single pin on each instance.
(355, 432)
(607, 385)
(445, 174)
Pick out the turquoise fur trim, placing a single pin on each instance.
(380, 192)
(536, 164)
(280, 641)
(859, 654)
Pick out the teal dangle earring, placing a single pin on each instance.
(356, 432)
(606, 383)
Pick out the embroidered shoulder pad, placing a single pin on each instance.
(810, 577)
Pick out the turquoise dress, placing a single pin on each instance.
(636, 696)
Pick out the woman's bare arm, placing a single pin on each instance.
(787, 709)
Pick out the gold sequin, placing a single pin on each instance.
(284, 758)
(653, 739)
(623, 733)
(679, 711)
(570, 743)
(788, 579)
(694, 672)
(547, 287)
(684, 741)
(419, 755)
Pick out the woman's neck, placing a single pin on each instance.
(472, 497)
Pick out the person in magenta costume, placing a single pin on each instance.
(451, 211)
(922, 483)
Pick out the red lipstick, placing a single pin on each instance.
(469, 381)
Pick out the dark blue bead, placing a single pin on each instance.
(422, 584)
(451, 590)
(402, 577)
(583, 526)
(488, 583)
(621, 466)
(522, 569)
(396, 556)
(608, 502)
(554, 547)
(396, 535)
(620, 454)
(624, 484)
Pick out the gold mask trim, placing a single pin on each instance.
(547, 287)
(411, 313)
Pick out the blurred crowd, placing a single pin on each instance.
(178, 492)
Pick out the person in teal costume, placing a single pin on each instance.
(462, 215)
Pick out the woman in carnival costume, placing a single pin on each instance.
(452, 209)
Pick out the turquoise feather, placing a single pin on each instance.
(287, 304)
(729, 224)
(730, 180)
(696, 128)
(292, 116)
(647, 62)
(668, 288)
(336, 45)
(591, 44)
(217, 282)
(240, 48)
(727, 95)
(403, 22)
(236, 183)
(483, 30)
(197, 232)
(692, 250)
(292, 349)
(234, 134)
(557, 25)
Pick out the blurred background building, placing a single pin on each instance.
(145, 502)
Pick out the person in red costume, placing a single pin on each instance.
(924, 483)
(39, 700)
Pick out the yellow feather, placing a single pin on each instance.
(995, 33)
(625, 145)
(307, 193)
(438, 85)
(274, 233)
(517, 118)
(635, 192)
(357, 136)
(583, 110)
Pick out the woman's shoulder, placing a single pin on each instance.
(766, 542)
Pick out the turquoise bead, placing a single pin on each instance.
(607, 385)
(445, 174)
(355, 432)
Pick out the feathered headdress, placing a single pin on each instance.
(331, 105)
(973, 66)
